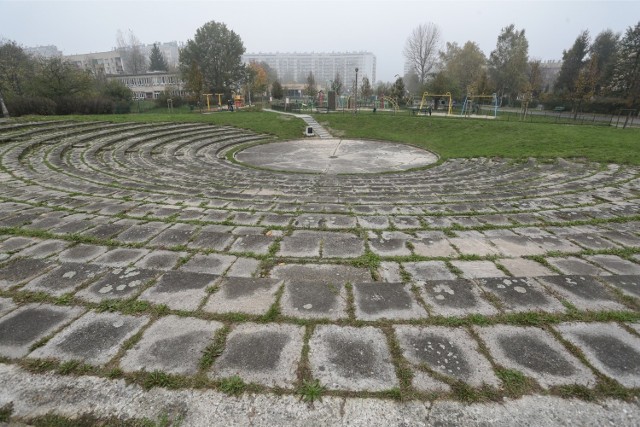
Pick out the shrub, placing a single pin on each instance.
(23, 105)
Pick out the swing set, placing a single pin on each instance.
(426, 95)
(472, 105)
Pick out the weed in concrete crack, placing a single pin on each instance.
(310, 391)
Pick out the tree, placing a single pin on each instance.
(421, 49)
(217, 52)
(194, 82)
(156, 60)
(605, 50)
(57, 78)
(465, 67)
(626, 77)
(336, 84)
(16, 69)
(572, 62)
(276, 90)
(131, 53)
(257, 79)
(398, 91)
(16, 72)
(310, 88)
(508, 62)
(585, 85)
(366, 90)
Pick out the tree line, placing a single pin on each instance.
(600, 74)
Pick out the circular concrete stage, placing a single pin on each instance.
(334, 156)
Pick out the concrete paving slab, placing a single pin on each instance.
(535, 353)
(118, 283)
(215, 240)
(373, 222)
(120, 257)
(43, 249)
(301, 244)
(519, 294)
(81, 253)
(141, 233)
(210, 264)
(576, 266)
(314, 300)
(593, 242)
(629, 284)
(556, 244)
(6, 305)
(30, 323)
(176, 235)
(243, 295)
(615, 264)
(521, 267)
(354, 359)
(478, 269)
(13, 244)
(65, 278)
(21, 270)
(201, 408)
(341, 245)
(609, 348)
(389, 272)
(244, 267)
(433, 248)
(389, 247)
(256, 244)
(264, 354)
(471, 246)
(180, 290)
(374, 301)
(516, 246)
(584, 292)
(448, 351)
(172, 344)
(95, 338)
(320, 273)
(459, 298)
(160, 260)
(428, 270)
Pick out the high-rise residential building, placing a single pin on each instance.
(49, 51)
(295, 67)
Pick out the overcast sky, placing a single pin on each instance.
(378, 26)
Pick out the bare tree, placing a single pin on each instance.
(421, 49)
(134, 59)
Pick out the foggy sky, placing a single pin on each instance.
(377, 26)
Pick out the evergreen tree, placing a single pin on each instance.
(311, 89)
(572, 63)
(156, 60)
(276, 90)
(626, 78)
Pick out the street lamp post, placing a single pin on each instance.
(355, 99)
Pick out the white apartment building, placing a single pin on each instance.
(111, 62)
(295, 67)
(151, 85)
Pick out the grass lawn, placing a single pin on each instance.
(450, 137)
(460, 137)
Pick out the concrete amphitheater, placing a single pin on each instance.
(177, 272)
